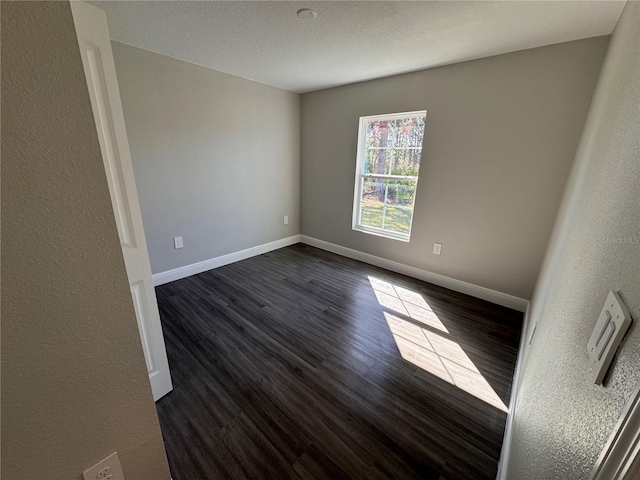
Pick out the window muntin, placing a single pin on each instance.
(388, 164)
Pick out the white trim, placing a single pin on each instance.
(195, 268)
(381, 232)
(515, 383)
(621, 450)
(477, 291)
(395, 116)
(389, 176)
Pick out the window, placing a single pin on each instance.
(389, 151)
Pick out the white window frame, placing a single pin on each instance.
(361, 176)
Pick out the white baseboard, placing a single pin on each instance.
(515, 383)
(195, 268)
(493, 296)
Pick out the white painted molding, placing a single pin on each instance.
(493, 296)
(195, 268)
(620, 459)
(515, 384)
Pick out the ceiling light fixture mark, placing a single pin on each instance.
(306, 14)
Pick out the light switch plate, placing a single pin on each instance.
(108, 468)
(612, 324)
(437, 248)
(177, 242)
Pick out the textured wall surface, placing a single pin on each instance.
(500, 137)
(216, 157)
(562, 420)
(74, 381)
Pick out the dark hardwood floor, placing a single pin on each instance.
(303, 364)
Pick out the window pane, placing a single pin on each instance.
(393, 146)
(378, 160)
(409, 131)
(371, 214)
(387, 204)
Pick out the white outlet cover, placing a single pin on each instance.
(612, 324)
(177, 242)
(112, 462)
(437, 248)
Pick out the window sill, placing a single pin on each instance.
(383, 233)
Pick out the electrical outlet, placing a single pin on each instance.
(437, 248)
(177, 242)
(104, 473)
(108, 468)
(286, 219)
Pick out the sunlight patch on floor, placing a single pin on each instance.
(405, 302)
(429, 350)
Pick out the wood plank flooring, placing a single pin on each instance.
(303, 364)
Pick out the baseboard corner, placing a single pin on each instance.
(199, 267)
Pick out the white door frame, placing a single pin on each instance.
(619, 459)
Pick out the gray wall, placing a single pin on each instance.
(74, 380)
(562, 420)
(500, 138)
(216, 157)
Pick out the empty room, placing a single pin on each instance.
(320, 240)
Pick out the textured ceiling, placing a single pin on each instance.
(348, 41)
